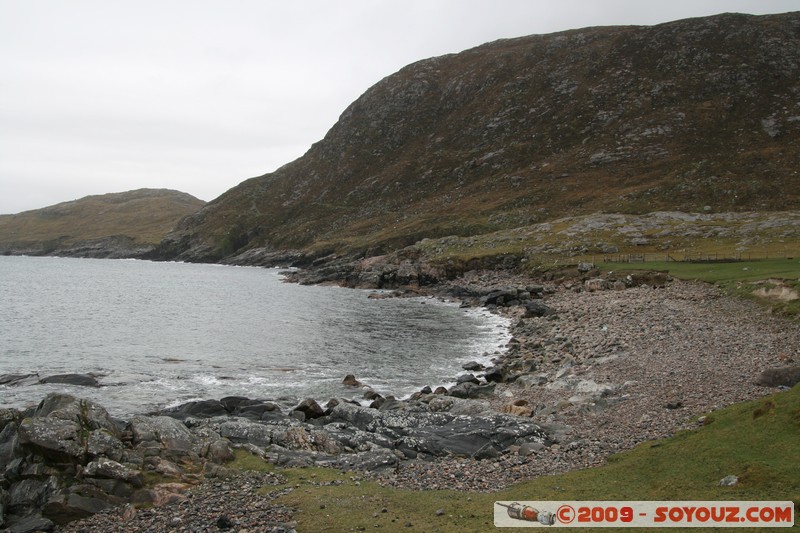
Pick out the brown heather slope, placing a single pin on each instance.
(698, 115)
(117, 224)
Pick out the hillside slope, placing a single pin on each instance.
(698, 115)
(116, 224)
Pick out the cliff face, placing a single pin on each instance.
(698, 115)
(111, 225)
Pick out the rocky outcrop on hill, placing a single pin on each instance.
(696, 115)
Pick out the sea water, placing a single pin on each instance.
(161, 334)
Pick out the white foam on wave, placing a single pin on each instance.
(205, 379)
(181, 401)
(495, 334)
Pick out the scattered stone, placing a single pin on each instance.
(784, 376)
(536, 308)
(223, 522)
(729, 481)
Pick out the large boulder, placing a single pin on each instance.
(198, 409)
(431, 433)
(76, 502)
(240, 431)
(501, 297)
(57, 440)
(60, 428)
(471, 390)
(164, 431)
(535, 308)
(87, 414)
(107, 469)
(310, 409)
(783, 376)
(26, 497)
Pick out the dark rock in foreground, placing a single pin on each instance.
(69, 459)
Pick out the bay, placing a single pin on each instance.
(161, 334)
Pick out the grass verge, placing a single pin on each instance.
(758, 441)
(770, 282)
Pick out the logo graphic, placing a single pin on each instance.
(644, 514)
(517, 511)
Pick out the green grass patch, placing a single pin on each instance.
(758, 441)
(719, 272)
(743, 279)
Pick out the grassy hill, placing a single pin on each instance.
(132, 219)
(699, 115)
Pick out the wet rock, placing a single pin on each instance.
(11, 380)
(471, 390)
(351, 381)
(310, 408)
(496, 374)
(467, 378)
(472, 366)
(200, 409)
(82, 380)
(372, 395)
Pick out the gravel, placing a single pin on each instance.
(241, 502)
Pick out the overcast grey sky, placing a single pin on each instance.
(102, 96)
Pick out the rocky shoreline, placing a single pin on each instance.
(596, 365)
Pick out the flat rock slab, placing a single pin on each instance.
(82, 380)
